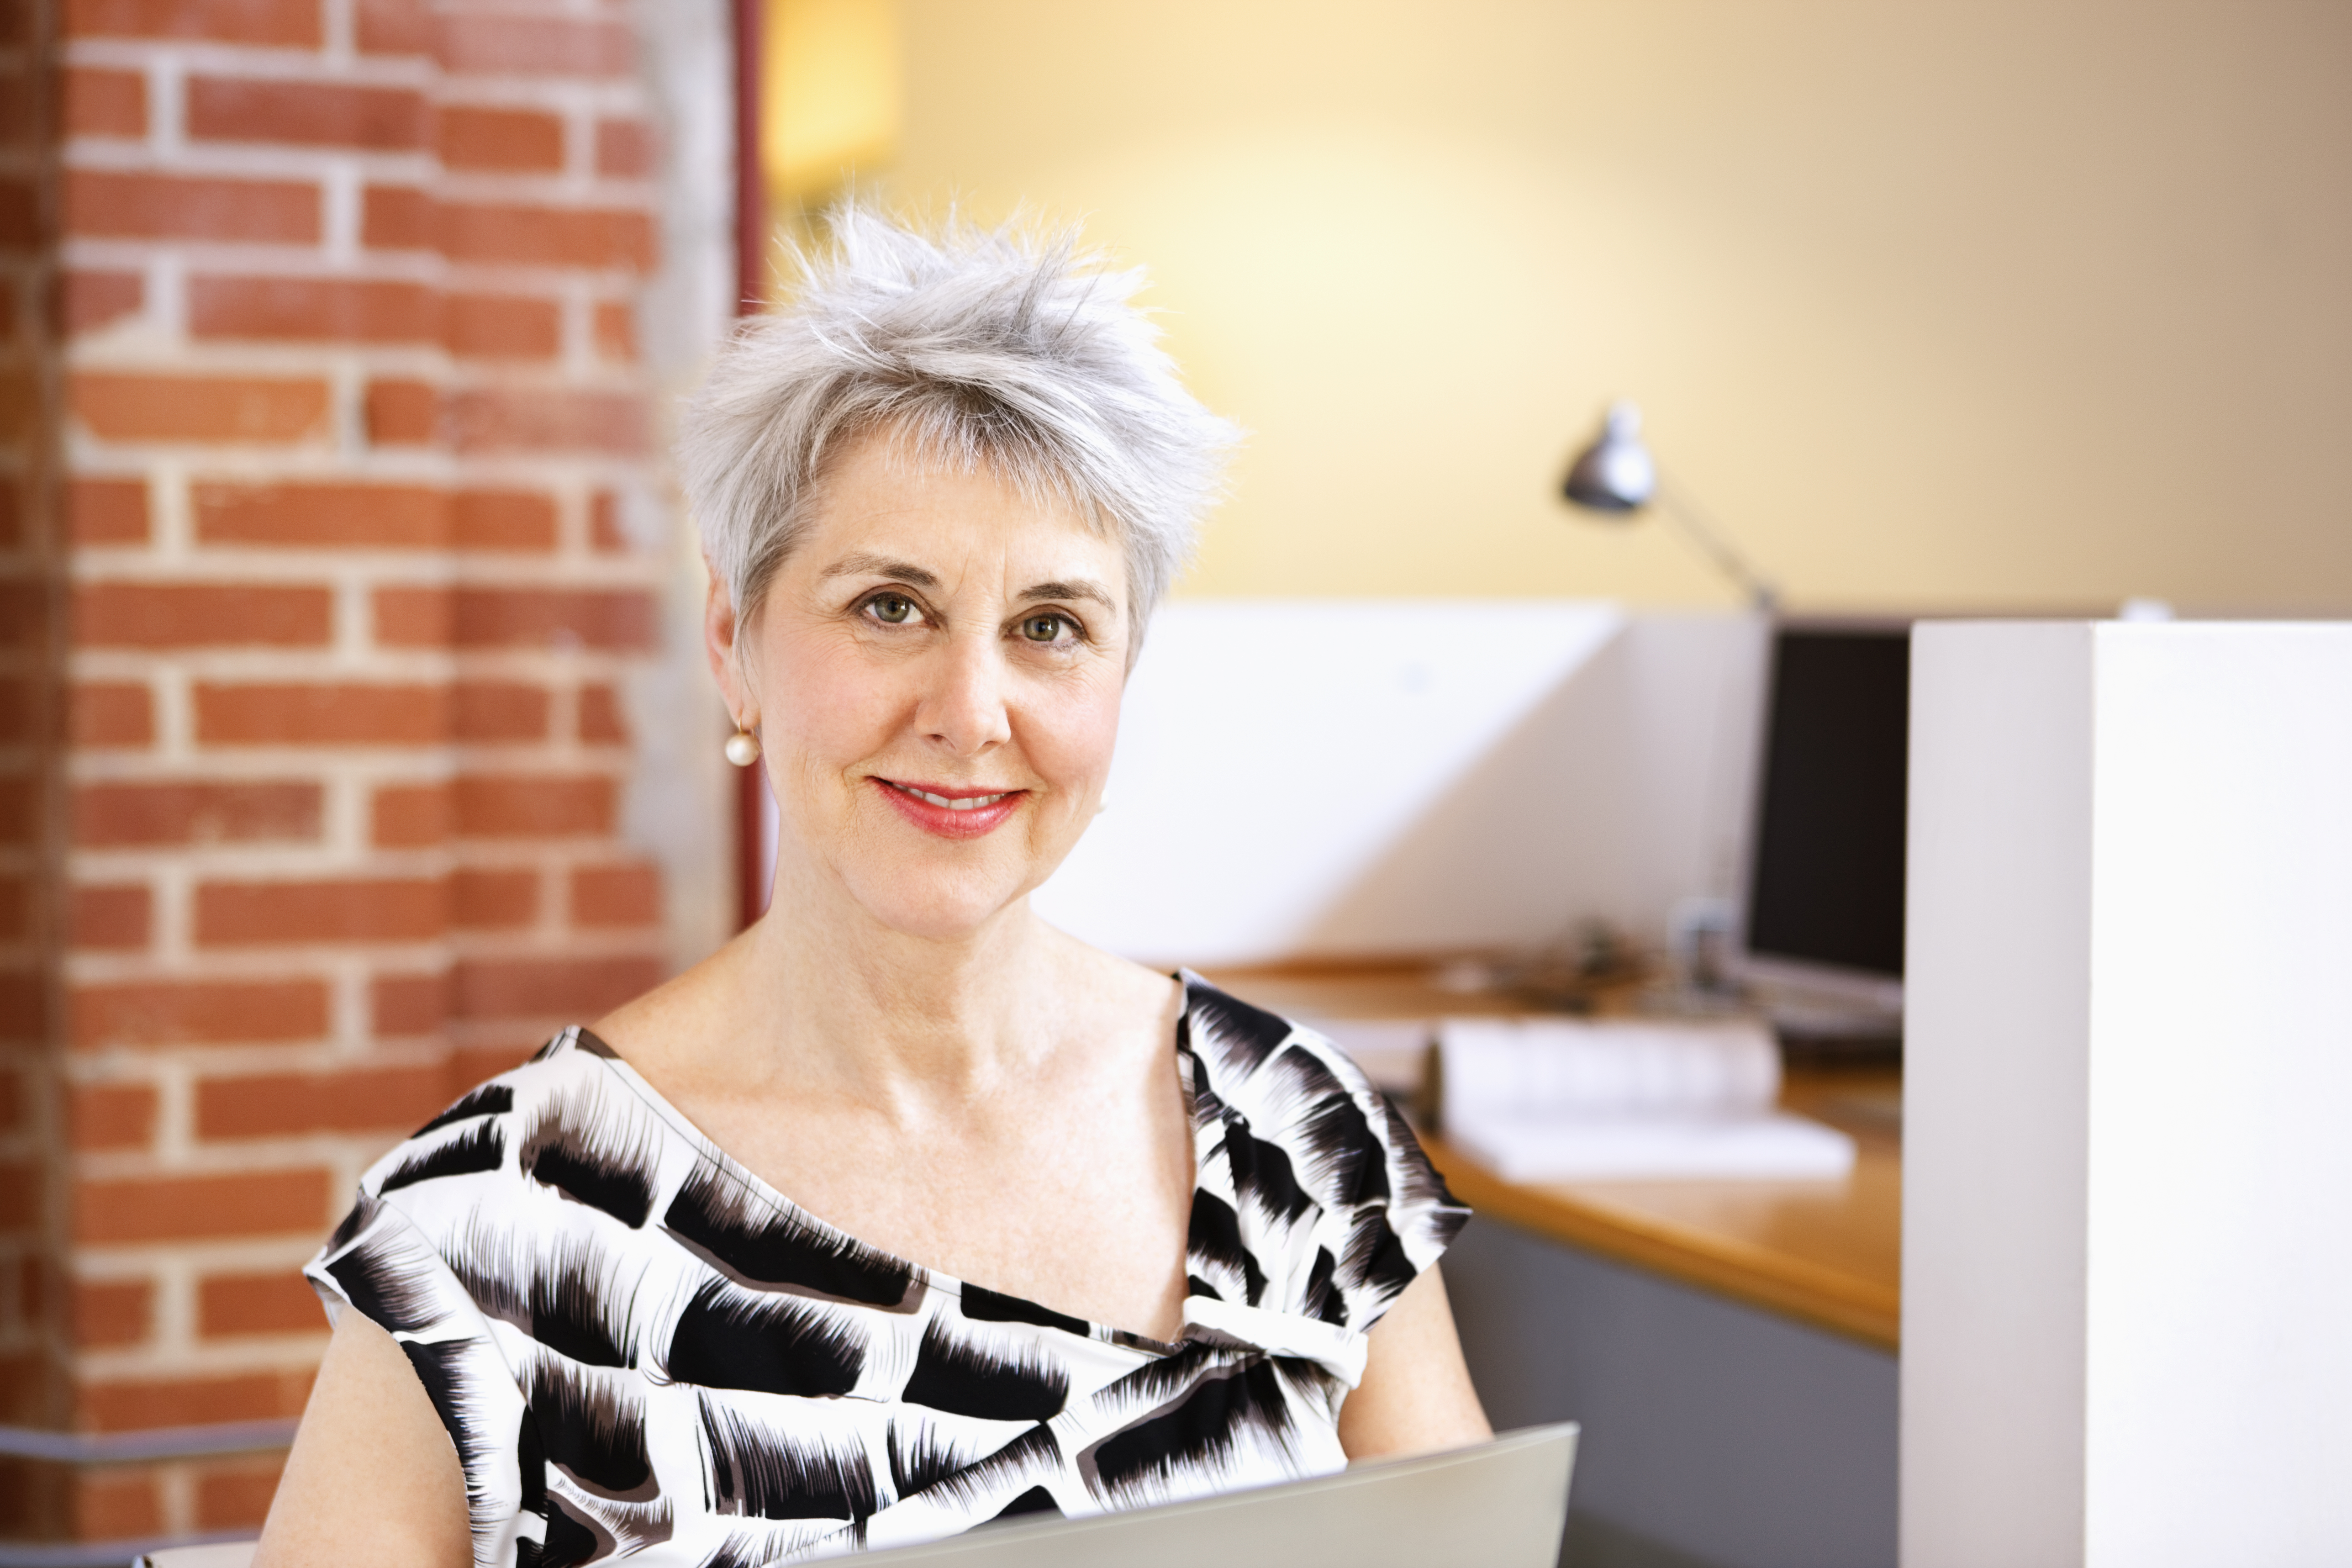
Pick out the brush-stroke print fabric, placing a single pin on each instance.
(643, 1351)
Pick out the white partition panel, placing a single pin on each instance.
(1327, 777)
(2127, 1212)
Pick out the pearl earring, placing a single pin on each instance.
(742, 748)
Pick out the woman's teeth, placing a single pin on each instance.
(972, 803)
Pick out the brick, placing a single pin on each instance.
(503, 520)
(291, 23)
(478, 43)
(615, 896)
(197, 1012)
(413, 617)
(402, 413)
(104, 102)
(110, 713)
(500, 326)
(106, 511)
(605, 530)
(104, 202)
(88, 300)
(110, 915)
(313, 310)
(116, 816)
(193, 1401)
(113, 1116)
(20, 1195)
(616, 331)
(565, 988)
(381, 909)
(549, 419)
(494, 900)
(188, 1208)
(395, 28)
(625, 149)
(353, 515)
(197, 407)
(401, 1004)
(305, 113)
(533, 617)
(237, 1496)
(343, 714)
(552, 805)
(511, 140)
(396, 217)
(115, 1505)
(473, 1064)
(360, 1099)
(514, 617)
(200, 615)
(601, 720)
(113, 1312)
(15, 925)
(12, 525)
(605, 238)
(500, 710)
(408, 816)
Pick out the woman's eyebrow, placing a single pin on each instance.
(1076, 588)
(866, 565)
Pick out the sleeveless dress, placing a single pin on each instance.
(642, 1351)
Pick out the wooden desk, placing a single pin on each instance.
(1828, 1253)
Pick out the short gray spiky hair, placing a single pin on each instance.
(1007, 348)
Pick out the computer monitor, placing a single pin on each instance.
(1823, 936)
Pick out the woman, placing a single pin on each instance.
(1062, 1234)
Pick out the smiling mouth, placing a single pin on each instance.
(950, 803)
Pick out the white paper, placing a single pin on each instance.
(1607, 1066)
(1762, 1146)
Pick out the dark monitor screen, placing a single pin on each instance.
(1827, 881)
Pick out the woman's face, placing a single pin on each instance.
(935, 676)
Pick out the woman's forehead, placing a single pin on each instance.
(877, 513)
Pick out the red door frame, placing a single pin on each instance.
(751, 255)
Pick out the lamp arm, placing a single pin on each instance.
(1695, 524)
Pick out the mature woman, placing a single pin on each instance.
(905, 1211)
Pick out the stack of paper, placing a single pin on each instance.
(1557, 1100)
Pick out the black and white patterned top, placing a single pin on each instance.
(640, 1350)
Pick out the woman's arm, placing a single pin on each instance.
(1416, 1395)
(373, 1480)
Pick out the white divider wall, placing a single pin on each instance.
(1356, 777)
(2127, 1215)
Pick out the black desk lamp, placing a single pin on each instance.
(1615, 477)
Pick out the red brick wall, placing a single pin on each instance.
(349, 391)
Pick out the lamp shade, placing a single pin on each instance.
(1614, 473)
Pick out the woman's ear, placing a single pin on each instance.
(718, 632)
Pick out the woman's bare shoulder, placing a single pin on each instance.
(1113, 988)
(688, 1006)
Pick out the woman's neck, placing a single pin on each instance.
(847, 1002)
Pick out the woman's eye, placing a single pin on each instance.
(892, 609)
(1046, 628)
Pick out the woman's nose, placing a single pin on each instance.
(963, 705)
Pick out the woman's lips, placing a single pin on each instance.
(950, 813)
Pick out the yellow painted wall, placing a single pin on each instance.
(1960, 303)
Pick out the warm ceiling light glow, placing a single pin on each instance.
(829, 88)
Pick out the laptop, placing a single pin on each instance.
(1502, 1504)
